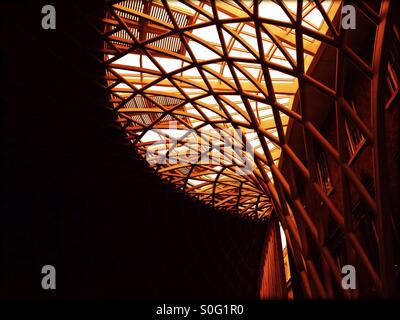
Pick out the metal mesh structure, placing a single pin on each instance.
(212, 69)
(216, 67)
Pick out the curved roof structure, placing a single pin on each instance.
(204, 90)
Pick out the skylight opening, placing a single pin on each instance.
(198, 95)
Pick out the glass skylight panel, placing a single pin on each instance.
(271, 10)
(208, 83)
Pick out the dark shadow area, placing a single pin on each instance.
(75, 197)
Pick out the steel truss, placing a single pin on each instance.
(253, 79)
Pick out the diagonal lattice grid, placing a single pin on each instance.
(221, 66)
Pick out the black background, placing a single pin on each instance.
(75, 197)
